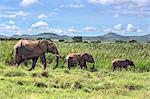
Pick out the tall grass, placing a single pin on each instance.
(103, 53)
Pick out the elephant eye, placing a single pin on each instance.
(52, 47)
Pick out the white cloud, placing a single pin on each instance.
(21, 13)
(128, 3)
(136, 2)
(56, 30)
(72, 30)
(139, 30)
(132, 28)
(26, 3)
(118, 27)
(8, 16)
(107, 30)
(5, 26)
(14, 14)
(40, 24)
(108, 1)
(89, 28)
(18, 33)
(24, 18)
(41, 16)
(11, 22)
(116, 15)
(73, 5)
(52, 13)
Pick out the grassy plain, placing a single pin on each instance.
(18, 83)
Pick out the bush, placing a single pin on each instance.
(61, 40)
(120, 41)
(77, 39)
(49, 39)
(96, 41)
(85, 42)
(132, 41)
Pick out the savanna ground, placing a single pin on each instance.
(18, 83)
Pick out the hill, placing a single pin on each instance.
(107, 37)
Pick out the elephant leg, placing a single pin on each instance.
(114, 68)
(34, 60)
(85, 65)
(126, 68)
(81, 63)
(19, 62)
(43, 59)
(25, 63)
(18, 65)
(120, 67)
(69, 64)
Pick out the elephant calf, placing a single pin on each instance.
(121, 63)
(79, 58)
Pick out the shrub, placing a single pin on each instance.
(120, 41)
(85, 42)
(132, 41)
(77, 39)
(61, 40)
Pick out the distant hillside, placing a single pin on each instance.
(114, 37)
(107, 37)
(42, 35)
(3, 36)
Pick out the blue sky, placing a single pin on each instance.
(75, 17)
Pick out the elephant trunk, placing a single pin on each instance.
(57, 60)
(93, 63)
(133, 66)
(93, 66)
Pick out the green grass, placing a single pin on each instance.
(18, 83)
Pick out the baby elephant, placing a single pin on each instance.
(79, 58)
(122, 63)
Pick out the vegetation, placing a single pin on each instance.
(77, 39)
(120, 41)
(96, 41)
(76, 83)
(132, 41)
(61, 40)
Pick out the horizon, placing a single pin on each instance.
(75, 17)
(75, 35)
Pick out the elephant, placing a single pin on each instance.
(80, 59)
(121, 63)
(33, 49)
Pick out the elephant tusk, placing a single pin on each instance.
(57, 55)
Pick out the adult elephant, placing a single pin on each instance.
(33, 49)
(79, 58)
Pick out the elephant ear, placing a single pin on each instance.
(43, 45)
(85, 56)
